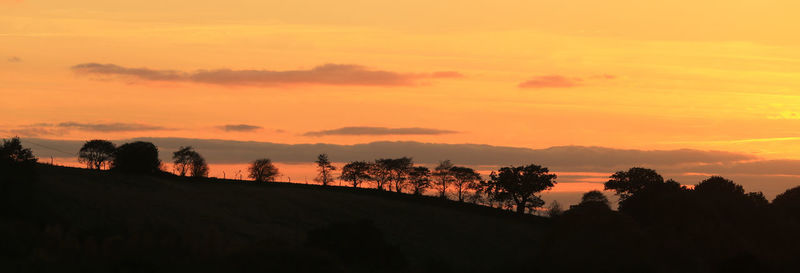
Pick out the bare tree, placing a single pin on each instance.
(325, 170)
(263, 170)
(443, 177)
(97, 153)
(464, 178)
(399, 169)
(199, 166)
(420, 179)
(380, 172)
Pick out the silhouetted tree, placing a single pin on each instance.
(399, 169)
(628, 183)
(199, 166)
(263, 170)
(324, 169)
(187, 160)
(356, 172)
(420, 179)
(12, 152)
(443, 177)
(644, 194)
(555, 209)
(789, 201)
(464, 178)
(96, 153)
(136, 157)
(520, 185)
(17, 173)
(718, 185)
(595, 197)
(381, 172)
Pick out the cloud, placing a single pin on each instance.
(140, 73)
(379, 131)
(557, 81)
(14, 59)
(110, 127)
(550, 81)
(573, 164)
(56, 129)
(240, 128)
(327, 74)
(574, 158)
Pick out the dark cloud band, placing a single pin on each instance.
(379, 131)
(327, 74)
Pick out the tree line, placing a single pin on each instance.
(508, 187)
(514, 187)
(659, 225)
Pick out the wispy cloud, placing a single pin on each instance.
(379, 131)
(327, 74)
(558, 81)
(56, 129)
(550, 81)
(14, 59)
(240, 128)
(110, 127)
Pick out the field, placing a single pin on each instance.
(86, 220)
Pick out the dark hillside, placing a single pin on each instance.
(101, 221)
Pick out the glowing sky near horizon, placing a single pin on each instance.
(709, 75)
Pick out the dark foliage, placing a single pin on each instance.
(97, 153)
(356, 172)
(187, 160)
(325, 170)
(263, 170)
(520, 185)
(17, 173)
(137, 157)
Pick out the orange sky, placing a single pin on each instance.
(709, 75)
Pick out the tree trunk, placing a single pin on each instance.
(520, 207)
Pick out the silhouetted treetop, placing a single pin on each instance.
(356, 172)
(137, 157)
(96, 153)
(13, 152)
(325, 170)
(262, 170)
(420, 179)
(595, 197)
(627, 183)
(718, 185)
(520, 184)
(464, 178)
(184, 159)
(789, 201)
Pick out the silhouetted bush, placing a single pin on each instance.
(137, 157)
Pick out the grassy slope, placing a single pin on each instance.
(245, 213)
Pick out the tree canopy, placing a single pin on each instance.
(356, 172)
(520, 185)
(137, 157)
(187, 160)
(96, 153)
(262, 170)
(324, 170)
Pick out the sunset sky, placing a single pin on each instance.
(719, 76)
